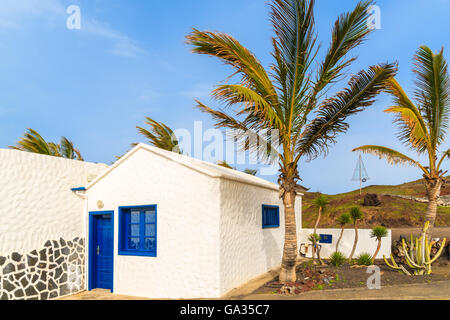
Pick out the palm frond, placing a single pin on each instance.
(32, 141)
(433, 92)
(331, 116)
(67, 150)
(232, 53)
(349, 31)
(160, 135)
(413, 130)
(445, 155)
(254, 104)
(393, 157)
(293, 23)
(247, 138)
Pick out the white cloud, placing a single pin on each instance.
(123, 45)
(13, 13)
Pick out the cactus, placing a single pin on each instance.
(419, 256)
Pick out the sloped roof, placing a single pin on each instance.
(209, 169)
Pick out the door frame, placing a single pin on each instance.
(91, 249)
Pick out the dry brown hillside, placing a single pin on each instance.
(392, 213)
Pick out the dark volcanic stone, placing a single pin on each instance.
(65, 251)
(58, 272)
(62, 242)
(48, 244)
(19, 275)
(9, 268)
(21, 266)
(31, 260)
(35, 278)
(4, 296)
(16, 257)
(73, 257)
(24, 282)
(33, 253)
(2, 261)
(63, 278)
(31, 291)
(43, 296)
(43, 255)
(53, 294)
(41, 286)
(64, 290)
(371, 200)
(19, 293)
(52, 285)
(55, 244)
(8, 286)
(44, 276)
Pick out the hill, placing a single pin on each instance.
(393, 212)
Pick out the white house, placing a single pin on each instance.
(155, 224)
(163, 225)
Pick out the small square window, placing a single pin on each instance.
(137, 231)
(270, 217)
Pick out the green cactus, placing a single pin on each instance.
(419, 256)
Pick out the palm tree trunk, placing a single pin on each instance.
(376, 252)
(433, 187)
(318, 220)
(340, 238)
(354, 243)
(289, 261)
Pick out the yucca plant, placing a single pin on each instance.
(423, 123)
(337, 259)
(343, 219)
(314, 238)
(283, 99)
(378, 233)
(160, 135)
(356, 215)
(32, 141)
(364, 259)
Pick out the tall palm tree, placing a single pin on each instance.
(343, 219)
(160, 136)
(423, 123)
(378, 233)
(32, 141)
(284, 98)
(356, 215)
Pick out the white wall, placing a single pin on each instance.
(36, 201)
(246, 249)
(366, 244)
(187, 262)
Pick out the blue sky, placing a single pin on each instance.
(129, 60)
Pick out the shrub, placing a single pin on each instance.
(364, 259)
(337, 259)
(314, 238)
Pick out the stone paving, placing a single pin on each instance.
(99, 294)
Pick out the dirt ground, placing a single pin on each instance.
(330, 277)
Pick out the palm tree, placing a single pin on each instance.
(32, 141)
(424, 124)
(378, 233)
(343, 219)
(320, 202)
(224, 164)
(250, 172)
(160, 135)
(356, 214)
(282, 100)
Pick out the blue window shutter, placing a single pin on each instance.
(270, 216)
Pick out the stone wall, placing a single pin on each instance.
(54, 270)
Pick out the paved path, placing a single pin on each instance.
(99, 294)
(428, 291)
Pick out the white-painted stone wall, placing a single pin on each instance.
(246, 249)
(187, 261)
(366, 244)
(36, 201)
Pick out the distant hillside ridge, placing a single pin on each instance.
(392, 213)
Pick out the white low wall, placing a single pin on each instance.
(366, 244)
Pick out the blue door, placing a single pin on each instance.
(101, 251)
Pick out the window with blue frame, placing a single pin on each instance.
(270, 217)
(137, 231)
